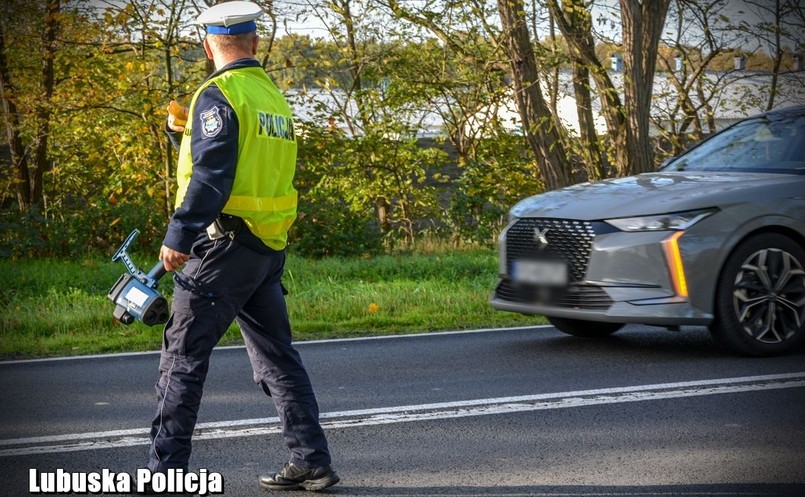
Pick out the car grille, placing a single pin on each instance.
(569, 241)
(573, 297)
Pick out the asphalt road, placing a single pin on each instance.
(646, 412)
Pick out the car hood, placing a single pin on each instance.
(653, 193)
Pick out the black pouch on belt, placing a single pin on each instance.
(225, 225)
(231, 224)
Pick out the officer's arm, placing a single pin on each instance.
(214, 145)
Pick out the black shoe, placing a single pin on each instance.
(292, 477)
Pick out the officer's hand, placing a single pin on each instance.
(171, 259)
(172, 124)
(177, 116)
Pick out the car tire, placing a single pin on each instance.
(581, 328)
(759, 307)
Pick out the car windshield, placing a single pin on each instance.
(763, 144)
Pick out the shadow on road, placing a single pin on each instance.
(691, 342)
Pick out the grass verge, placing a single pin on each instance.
(57, 308)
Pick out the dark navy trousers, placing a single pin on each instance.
(225, 281)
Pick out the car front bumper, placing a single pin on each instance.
(669, 313)
(614, 276)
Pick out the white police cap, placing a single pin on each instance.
(230, 18)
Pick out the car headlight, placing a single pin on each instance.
(674, 221)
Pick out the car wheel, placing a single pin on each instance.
(580, 328)
(760, 297)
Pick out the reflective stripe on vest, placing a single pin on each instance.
(264, 204)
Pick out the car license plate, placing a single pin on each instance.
(540, 272)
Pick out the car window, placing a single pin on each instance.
(760, 144)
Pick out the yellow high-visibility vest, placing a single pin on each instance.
(262, 194)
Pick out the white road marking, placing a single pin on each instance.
(296, 344)
(413, 413)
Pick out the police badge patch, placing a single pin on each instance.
(211, 122)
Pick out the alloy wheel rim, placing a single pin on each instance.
(769, 296)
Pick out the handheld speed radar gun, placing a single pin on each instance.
(135, 294)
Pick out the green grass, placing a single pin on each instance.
(56, 308)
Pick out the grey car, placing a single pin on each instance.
(716, 237)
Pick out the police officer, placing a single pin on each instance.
(235, 203)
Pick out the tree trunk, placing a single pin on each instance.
(543, 136)
(344, 9)
(778, 55)
(684, 103)
(709, 112)
(575, 23)
(19, 159)
(171, 36)
(642, 21)
(44, 110)
(591, 151)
